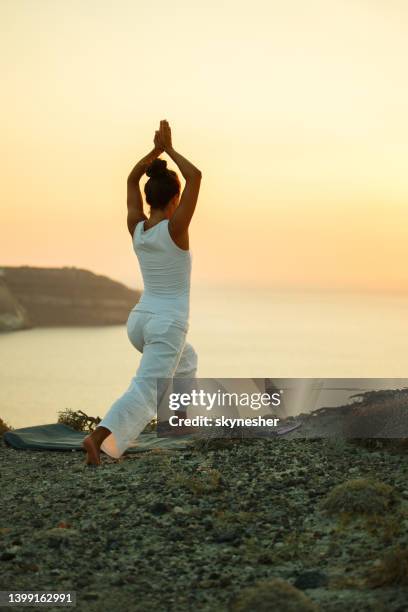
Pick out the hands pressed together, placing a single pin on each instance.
(163, 144)
(162, 137)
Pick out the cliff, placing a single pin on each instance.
(50, 297)
(12, 314)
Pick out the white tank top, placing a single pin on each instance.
(166, 271)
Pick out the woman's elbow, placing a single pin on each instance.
(195, 176)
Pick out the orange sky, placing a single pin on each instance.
(294, 111)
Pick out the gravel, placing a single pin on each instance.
(191, 529)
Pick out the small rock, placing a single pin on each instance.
(266, 559)
(91, 595)
(159, 508)
(227, 535)
(311, 579)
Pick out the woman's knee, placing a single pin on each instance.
(190, 360)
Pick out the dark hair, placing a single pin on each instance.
(162, 185)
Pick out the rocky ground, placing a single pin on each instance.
(196, 529)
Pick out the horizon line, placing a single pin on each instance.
(216, 284)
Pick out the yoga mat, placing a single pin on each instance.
(59, 437)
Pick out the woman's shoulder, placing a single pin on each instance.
(178, 242)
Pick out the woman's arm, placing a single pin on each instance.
(187, 169)
(134, 196)
(180, 221)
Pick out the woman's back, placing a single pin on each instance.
(166, 271)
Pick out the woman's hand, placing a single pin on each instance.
(165, 135)
(158, 143)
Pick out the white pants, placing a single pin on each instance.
(165, 354)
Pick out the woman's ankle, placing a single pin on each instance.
(99, 434)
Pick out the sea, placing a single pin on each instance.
(237, 333)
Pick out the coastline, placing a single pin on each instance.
(52, 297)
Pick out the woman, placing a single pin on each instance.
(157, 326)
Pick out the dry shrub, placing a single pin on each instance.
(78, 420)
(379, 414)
(360, 496)
(274, 594)
(4, 427)
(206, 480)
(392, 571)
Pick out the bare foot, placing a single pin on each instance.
(93, 456)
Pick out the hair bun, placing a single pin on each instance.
(157, 168)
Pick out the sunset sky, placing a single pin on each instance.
(295, 112)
